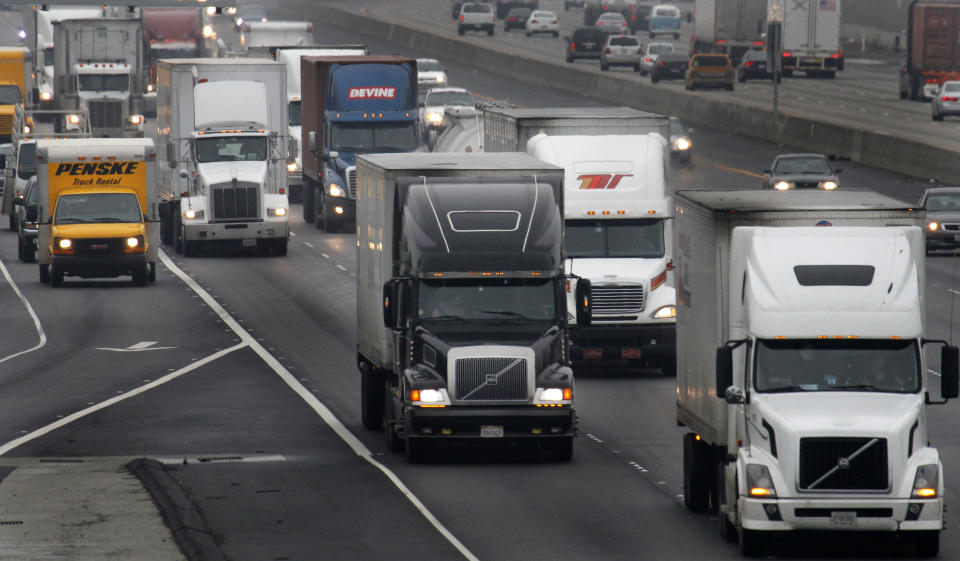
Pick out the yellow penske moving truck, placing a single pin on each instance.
(97, 209)
(15, 82)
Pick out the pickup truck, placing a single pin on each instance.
(476, 16)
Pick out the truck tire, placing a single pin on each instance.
(177, 231)
(753, 543)
(44, 274)
(926, 543)
(56, 276)
(331, 223)
(152, 274)
(280, 248)
(309, 194)
(12, 224)
(562, 448)
(139, 276)
(391, 438)
(669, 366)
(728, 532)
(371, 397)
(696, 477)
(191, 248)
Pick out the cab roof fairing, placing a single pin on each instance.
(775, 304)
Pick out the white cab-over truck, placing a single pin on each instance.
(98, 63)
(801, 366)
(42, 19)
(618, 234)
(290, 57)
(223, 151)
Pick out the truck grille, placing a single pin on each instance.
(6, 124)
(105, 114)
(99, 247)
(238, 202)
(491, 379)
(826, 464)
(352, 182)
(617, 300)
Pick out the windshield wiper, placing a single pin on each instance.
(798, 388)
(506, 313)
(855, 387)
(445, 318)
(109, 219)
(71, 221)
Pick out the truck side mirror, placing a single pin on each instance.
(391, 301)
(312, 141)
(584, 302)
(724, 370)
(949, 372)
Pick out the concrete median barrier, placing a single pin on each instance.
(867, 147)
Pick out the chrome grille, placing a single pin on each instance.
(617, 300)
(105, 114)
(235, 202)
(807, 184)
(352, 182)
(840, 464)
(491, 379)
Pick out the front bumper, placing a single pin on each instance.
(818, 514)
(466, 422)
(235, 231)
(943, 239)
(648, 343)
(89, 266)
(349, 207)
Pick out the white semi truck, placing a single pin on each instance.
(811, 36)
(223, 150)
(801, 369)
(98, 64)
(618, 235)
(41, 44)
(290, 57)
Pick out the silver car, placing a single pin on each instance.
(947, 101)
(651, 56)
(943, 217)
(801, 171)
(621, 50)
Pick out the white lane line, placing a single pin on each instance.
(33, 315)
(341, 267)
(308, 244)
(328, 417)
(94, 407)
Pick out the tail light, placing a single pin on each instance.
(534, 21)
(787, 54)
(607, 50)
(511, 18)
(646, 59)
(945, 98)
(749, 63)
(461, 17)
(555, 22)
(573, 46)
(660, 64)
(640, 51)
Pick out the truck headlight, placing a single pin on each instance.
(62, 246)
(73, 119)
(135, 244)
(926, 482)
(26, 129)
(933, 226)
(211, 10)
(65, 243)
(191, 214)
(682, 144)
(135, 120)
(430, 397)
(830, 185)
(292, 167)
(435, 119)
(336, 190)
(665, 312)
(277, 211)
(208, 32)
(46, 96)
(149, 87)
(553, 396)
(442, 78)
(783, 186)
(759, 482)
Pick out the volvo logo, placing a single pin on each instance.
(491, 379)
(843, 463)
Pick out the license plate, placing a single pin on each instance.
(491, 431)
(589, 45)
(843, 518)
(811, 61)
(249, 243)
(592, 354)
(627, 354)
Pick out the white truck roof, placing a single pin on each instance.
(615, 173)
(291, 58)
(75, 148)
(210, 111)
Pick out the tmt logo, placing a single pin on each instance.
(601, 180)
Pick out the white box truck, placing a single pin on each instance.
(290, 57)
(811, 36)
(801, 373)
(223, 151)
(618, 235)
(732, 27)
(256, 37)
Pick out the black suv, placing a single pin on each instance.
(670, 65)
(586, 42)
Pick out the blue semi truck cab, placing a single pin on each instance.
(352, 105)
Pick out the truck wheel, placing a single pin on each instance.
(152, 274)
(654, 79)
(309, 194)
(20, 250)
(696, 478)
(190, 249)
(669, 367)
(44, 274)
(139, 275)
(330, 221)
(178, 232)
(727, 530)
(56, 276)
(280, 248)
(753, 543)
(392, 439)
(371, 397)
(12, 225)
(562, 448)
(926, 543)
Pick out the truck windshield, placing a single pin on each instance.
(97, 208)
(614, 238)
(460, 99)
(294, 110)
(490, 299)
(27, 160)
(104, 82)
(795, 365)
(10, 95)
(231, 149)
(400, 136)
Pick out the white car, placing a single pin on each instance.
(621, 50)
(439, 98)
(650, 57)
(476, 16)
(947, 101)
(542, 21)
(430, 72)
